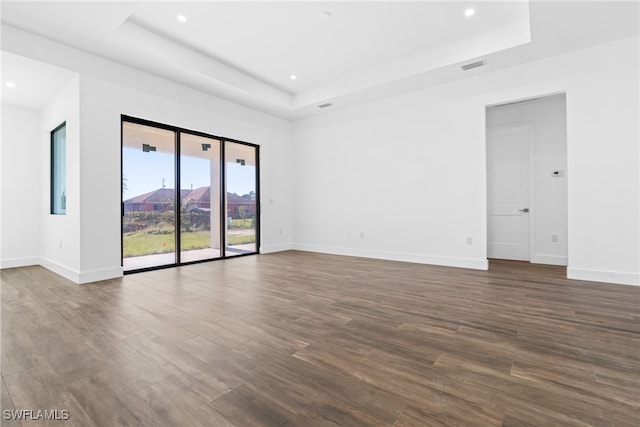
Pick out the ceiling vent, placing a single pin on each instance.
(471, 66)
(328, 104)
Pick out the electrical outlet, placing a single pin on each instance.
(362, 234)
(281, 231)
(469, 240)
(554, 238)
(60, 244)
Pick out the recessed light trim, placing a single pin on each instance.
(181, 18)
(10, 84)
(293, 77)
(469, 12)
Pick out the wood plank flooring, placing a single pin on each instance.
(301, 339)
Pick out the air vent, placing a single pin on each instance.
(471, 66)
(328, 104)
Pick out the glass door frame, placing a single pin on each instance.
(177, 193)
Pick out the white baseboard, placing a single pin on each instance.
(81, 277)
(19, 262)
(472, 263)
(61, 270)
(102, 274)
(618, 277)
(549, 259)
(275, 248)
(605, 276)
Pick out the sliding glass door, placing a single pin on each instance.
(241, 206)
(187, 196)
(148, 192)
(200, 164)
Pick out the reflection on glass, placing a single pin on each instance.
(148, 188)
(241, 206)
(200, 198)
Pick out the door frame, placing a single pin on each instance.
(179, 130)
(499, 101)
(528, 124)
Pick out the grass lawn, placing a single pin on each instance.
(142, 243)
(242, 223)
(240, 240)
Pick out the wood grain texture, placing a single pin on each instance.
(301, 339)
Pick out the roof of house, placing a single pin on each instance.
(161, 195)
(199, 195)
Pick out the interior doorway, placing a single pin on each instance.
(527, 180)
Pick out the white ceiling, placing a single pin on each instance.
(272, 40)
(35, 83)
(246, 51)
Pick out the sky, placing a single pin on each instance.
(145, 172)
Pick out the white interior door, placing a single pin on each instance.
(508, 192)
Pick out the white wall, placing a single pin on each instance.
(406, 173)
(20, 189)
(548, 120)
(60, 234)
(410, 171)
(102, 104)
(90, 232)
(603, 135)
(403, 172)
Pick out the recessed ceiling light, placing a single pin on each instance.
(469, 12)
(181, 18)
(11, 84)
(326, 15)
(293, 77)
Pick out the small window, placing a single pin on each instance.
(59, 170)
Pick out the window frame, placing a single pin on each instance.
(54, 166)
(223, 243)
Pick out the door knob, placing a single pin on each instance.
(524, 210)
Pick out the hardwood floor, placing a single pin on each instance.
(305, 339)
